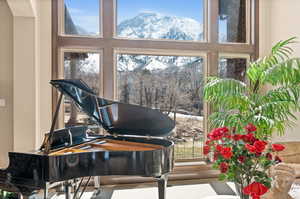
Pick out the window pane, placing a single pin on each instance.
(82, 17)
(156, 19)
(232, 21)
(83, 66)
(233, 68)
(171, 84)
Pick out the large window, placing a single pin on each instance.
(154, 53)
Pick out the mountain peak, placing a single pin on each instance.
(153, 25)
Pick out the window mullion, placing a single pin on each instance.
(256, 28)
(108, 52)
(213, 10)
(108, 18)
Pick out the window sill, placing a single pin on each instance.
(181, 175)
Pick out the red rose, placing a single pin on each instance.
(219, 148)
(206, 150)
(223, 167)
(255, 189)
(242, 158)
(277, 159)
(250, 128)
(227, 135)
(218, 133)
(226, 152)
(249, 138)
(250, 148)
(269, 156)
(260, 146)
(237, 137)
(278, 147)
(207, 142)
(223, 129)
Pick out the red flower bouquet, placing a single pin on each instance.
(243, 159)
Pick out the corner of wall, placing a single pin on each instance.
(6, 82)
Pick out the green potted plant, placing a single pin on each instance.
(237, 103)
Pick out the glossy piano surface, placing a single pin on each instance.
(132, 149)
(116, 117)
(99, 157)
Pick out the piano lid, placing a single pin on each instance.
(115, 117)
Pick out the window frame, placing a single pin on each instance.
(109, 44)
(61, 19)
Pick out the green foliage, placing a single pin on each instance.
(236, 103)
(7, 195)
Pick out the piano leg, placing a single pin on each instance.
(67, 189)
(162, 186)
(46, 191)
(97, 186)
(97, 182)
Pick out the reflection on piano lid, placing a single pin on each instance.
(115, 117)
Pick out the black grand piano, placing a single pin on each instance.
(134, 146)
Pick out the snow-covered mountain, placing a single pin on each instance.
(154, 63)
(152, 25)
(147, 25)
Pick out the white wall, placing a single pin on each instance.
(25, 72)
(6, 81)
(280, 20)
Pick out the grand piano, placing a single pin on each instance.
(135, 145)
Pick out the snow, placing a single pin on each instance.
(155, 65)
(179, 115)
(155, 26)
(158, 26)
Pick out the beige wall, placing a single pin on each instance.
(25, 66)
(6, 81)
(25, 72)
(279, 20)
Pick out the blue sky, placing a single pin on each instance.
(130, 8)
(85, 13)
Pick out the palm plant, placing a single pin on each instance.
(236, 103)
